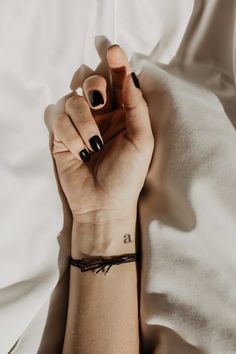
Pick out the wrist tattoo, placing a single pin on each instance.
(127, 238)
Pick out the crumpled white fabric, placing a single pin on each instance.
(184, 53)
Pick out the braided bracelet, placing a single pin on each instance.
(91, 263)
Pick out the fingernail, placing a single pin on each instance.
(95, 98)
(113, 45)
(96, 143)
(84, 154)
(135, 80)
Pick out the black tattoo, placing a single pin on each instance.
(127, 238)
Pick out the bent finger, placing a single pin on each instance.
(78, 110)
(119, 68)
(96, 94)
(65, 132)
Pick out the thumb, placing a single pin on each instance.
(137, 115)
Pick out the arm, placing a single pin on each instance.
(102, 177)
(103, 309)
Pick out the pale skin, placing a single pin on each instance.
(102, 194)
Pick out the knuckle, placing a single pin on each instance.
(84, 121)
(75, 140)
(60, 121)
(149, 138)
(74, 101)
(136, 107)
(146, 141)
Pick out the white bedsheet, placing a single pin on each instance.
(184, 52)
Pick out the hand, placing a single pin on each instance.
(111, 178)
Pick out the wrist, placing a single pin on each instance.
(102, 215)
(101, 234)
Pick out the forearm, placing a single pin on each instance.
(103, 309)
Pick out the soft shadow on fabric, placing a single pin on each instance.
(165, 202)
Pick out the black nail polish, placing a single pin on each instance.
(96, 143)
(95, 98)
(84, 154)
(135, 80)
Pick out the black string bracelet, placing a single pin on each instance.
(91, 263)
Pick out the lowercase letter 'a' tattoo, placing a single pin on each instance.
(127, 238)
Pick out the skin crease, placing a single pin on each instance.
(102, 194)
(128, 142)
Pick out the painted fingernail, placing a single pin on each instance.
(95, 98)
(135, 80)
(84, 154)
(96, 143)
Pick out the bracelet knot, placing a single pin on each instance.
(91, 263)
